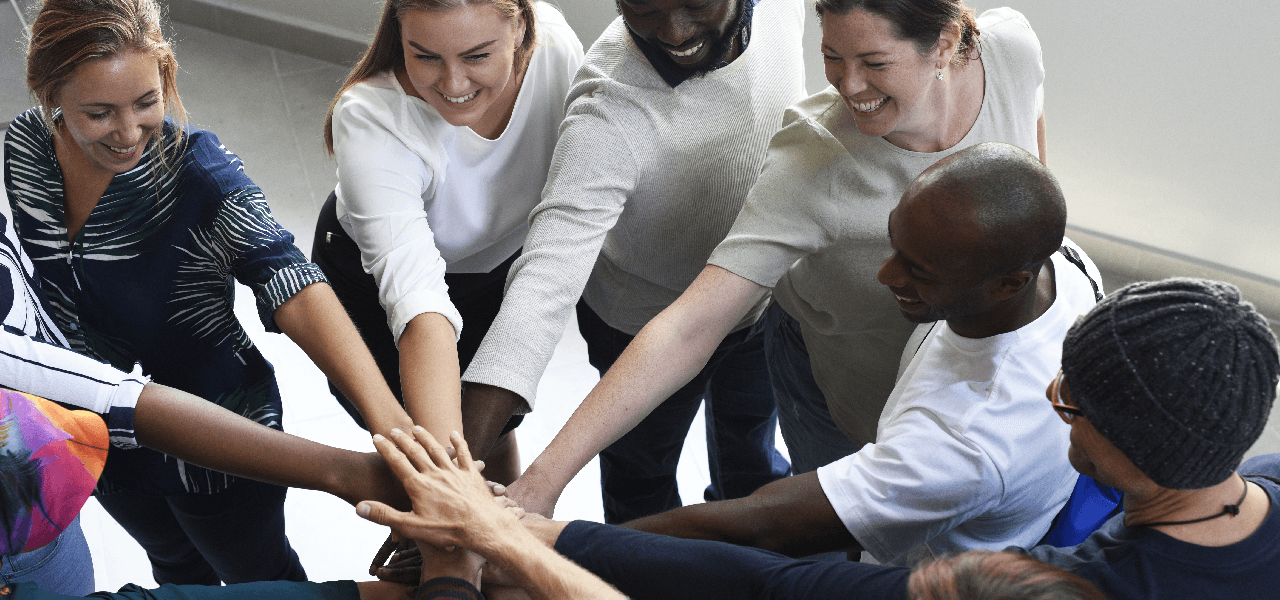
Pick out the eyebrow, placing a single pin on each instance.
(110, 105)
(470, 50)
(910, 263)
(872, 53)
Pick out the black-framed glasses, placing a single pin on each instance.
(1066, 412)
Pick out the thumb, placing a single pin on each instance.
(379, 513)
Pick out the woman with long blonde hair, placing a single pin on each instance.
(443, 134)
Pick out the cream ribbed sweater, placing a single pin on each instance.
(645, 181)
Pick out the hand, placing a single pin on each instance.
(451, 502)
(398, 560)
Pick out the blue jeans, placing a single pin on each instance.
(638, 472)
(812, 437)
(62, 566)
(233, 536)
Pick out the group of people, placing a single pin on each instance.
(879, 268)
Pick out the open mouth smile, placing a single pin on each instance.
(461, 99)
(869, 106)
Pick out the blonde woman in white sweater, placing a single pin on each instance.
(443, 134)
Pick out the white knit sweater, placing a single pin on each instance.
(645, 181)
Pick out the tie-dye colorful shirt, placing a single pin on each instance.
(149, 279)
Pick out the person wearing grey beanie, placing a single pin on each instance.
(1166, 385)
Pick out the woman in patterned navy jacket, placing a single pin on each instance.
(136, 225)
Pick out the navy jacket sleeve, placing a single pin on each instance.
(267, 590)
(644, 565)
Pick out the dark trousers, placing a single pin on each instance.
(477, 296)
(233, 536)
(812, 437)
(638, 472)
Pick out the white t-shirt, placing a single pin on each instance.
(422, 197)
(968, 452)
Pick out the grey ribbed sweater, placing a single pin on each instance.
(645, 181)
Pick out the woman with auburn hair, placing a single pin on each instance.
(443, 134)
(136, 224)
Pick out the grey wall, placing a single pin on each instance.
(1162, 125)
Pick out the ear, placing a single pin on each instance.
(1008, 285)
(948, 41)
(520, 25)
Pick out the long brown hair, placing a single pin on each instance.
(69, 33)
(920, 21)
(385, 51)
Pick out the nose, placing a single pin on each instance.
(130, 129)
(677, 29)
(891, 272)
(455, 81)
(847, 78)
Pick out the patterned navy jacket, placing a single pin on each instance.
(149, 279)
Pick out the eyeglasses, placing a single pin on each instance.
(1066, 412)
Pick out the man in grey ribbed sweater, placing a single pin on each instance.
(666, 128)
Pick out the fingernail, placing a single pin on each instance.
(362, 509)
(457, 434)
(396, 430)
(418, 428)
(377, 437)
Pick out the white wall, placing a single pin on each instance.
(1162, 115)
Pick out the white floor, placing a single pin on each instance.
(332, 541)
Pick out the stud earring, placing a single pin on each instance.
(939, 74)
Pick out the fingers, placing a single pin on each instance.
(464, 452)
(395, 459)
(383, 554)
(497, 489)
(431, 448)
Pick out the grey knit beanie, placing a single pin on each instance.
(1178, 374)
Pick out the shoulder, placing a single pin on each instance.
(554, 31)
(1007, 31)
(372, 99)
(28, 133)
(208, 165)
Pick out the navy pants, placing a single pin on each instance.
(812, 437)
(233, 536)
(638, 472)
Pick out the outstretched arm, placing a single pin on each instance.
(314, 319)
(665, 355)
(452, 506)
(230, 443)
(790, 516)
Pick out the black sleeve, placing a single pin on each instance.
(447, 588)
(644, 565)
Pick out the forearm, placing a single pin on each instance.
(644, 566)
(665, 355)
(791, 516)
(542, 572)
(315, 320)
(485, 411)
(205, 434)
(429, 374)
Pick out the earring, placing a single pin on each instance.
(939, 74)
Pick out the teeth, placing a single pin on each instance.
(461, 99)
(121, 150)
(871, 106)
(689, 52)
(907, 300)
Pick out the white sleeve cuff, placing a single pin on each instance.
(422, 301)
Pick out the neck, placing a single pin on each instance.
(954, 108)
(1155, 504)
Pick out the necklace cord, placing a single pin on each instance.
(1229, 509)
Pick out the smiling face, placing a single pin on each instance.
(890, 87)
(111, 107)
(927, 273)
(695, 34)
(461, 61)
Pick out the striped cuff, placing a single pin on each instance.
(451, 588)
(282, 286)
